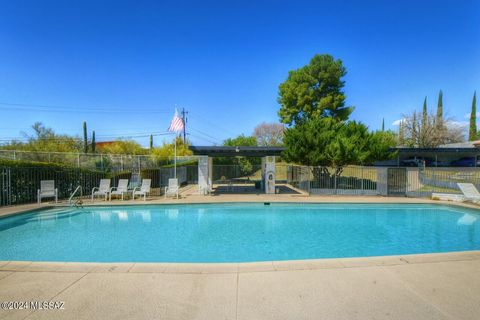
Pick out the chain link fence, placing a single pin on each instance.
(102, 162)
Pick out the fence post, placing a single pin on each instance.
(78, 160)
(363, 192)
(434, 178)
(335, 180)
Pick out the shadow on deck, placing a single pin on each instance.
(249, 189)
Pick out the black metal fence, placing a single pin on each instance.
(19, 185)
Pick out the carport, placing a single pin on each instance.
(206, 154)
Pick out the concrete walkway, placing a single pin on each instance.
(431, 286)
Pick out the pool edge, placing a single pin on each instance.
(242, 267)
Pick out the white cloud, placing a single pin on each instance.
(397, 122)
(467, 115)
(458, 124)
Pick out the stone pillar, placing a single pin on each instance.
(268, 174)
(210, 171)
(203, 173)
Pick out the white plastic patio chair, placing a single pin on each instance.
(47, 190)
(172, 188)
(469, 191)
(209, 187)
(120, 190)
(102, 190)
(143, 190)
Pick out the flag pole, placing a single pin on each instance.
(175, 159)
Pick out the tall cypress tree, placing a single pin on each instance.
(414, 129)
(151, 142)
(423, 124)
(383, 124)
(472, 135)
(93, 141)
(440, 108)
(85, 138)
(424, 114)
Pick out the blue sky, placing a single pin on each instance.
(123, 65)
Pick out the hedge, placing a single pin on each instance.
(20, 180)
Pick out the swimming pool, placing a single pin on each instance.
(239, 232)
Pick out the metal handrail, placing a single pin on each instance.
(73, 194)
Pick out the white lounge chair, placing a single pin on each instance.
(121, 189)
(102, 190)
(143, 190)
(172, 188)
(469, 191)
(208, 189)
(47, 190)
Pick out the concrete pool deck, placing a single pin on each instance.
(429, 286)
(424, 286)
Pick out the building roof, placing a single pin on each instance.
(467, 144)
(240, 151)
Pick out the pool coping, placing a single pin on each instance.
(332, 199)
(241, 267)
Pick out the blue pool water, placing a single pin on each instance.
(236, 232)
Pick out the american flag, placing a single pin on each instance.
(177, 123)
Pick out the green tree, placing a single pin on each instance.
(167, 149)
(414, 139)
(245, 164)
(45, 139)
(422, 133)
(94, 144)
(328, 143)
(151, 142)
(85, 138)
(314, 91)
(383, 124)
(241, 141)
(122, 147)
(472, 134)
(440, 108)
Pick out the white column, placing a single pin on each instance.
(203, 173)
(269, 174)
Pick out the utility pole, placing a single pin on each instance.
(184, 119)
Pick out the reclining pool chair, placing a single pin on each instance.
(172, 188)
(102, 190)
(469, 191)
(121, 189)
(47, 190)
(143, 190)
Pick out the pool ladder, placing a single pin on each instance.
(77, 202)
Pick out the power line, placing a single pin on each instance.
(78, 109)
(206, 134)
(214, 125)
(124, 136)
(202, 138)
